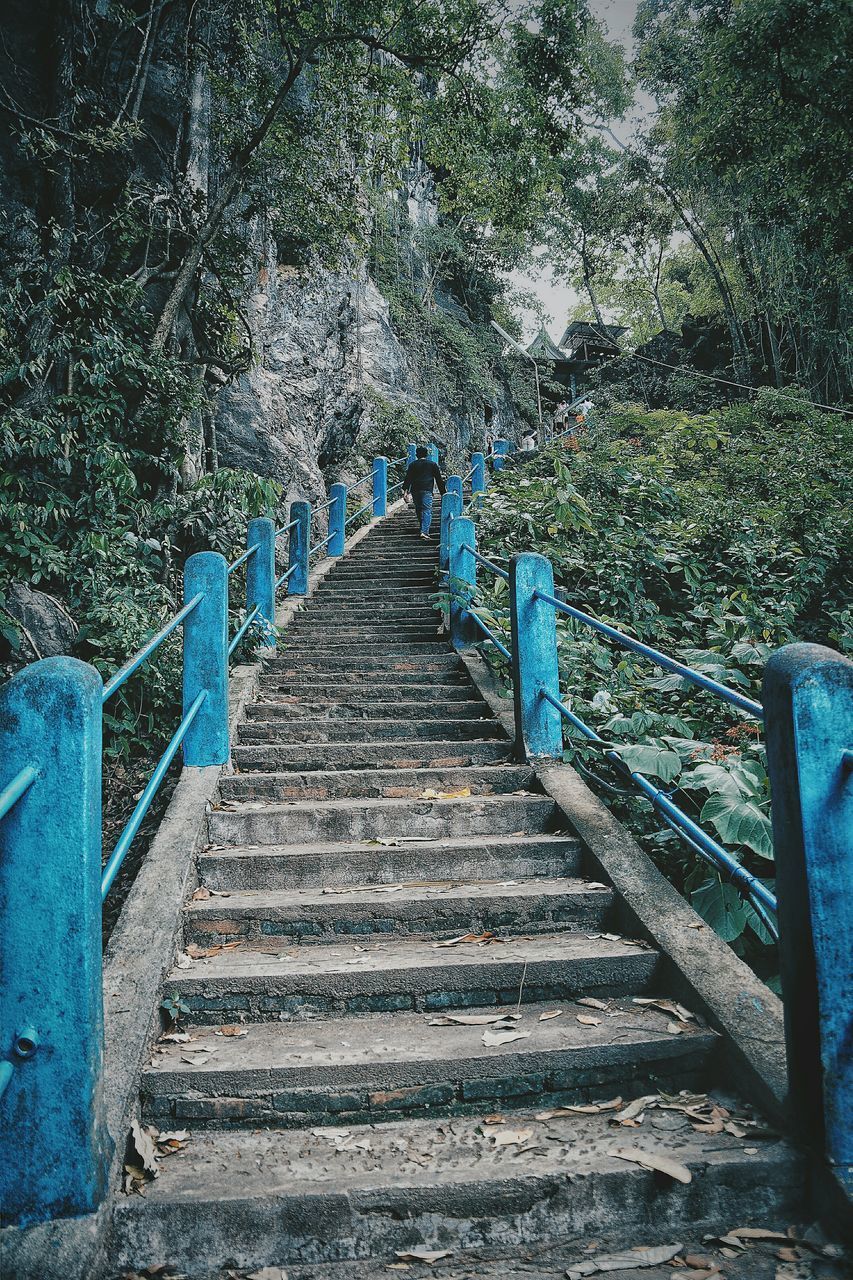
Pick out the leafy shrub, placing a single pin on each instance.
(715, 538)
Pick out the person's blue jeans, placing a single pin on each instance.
(423, 508)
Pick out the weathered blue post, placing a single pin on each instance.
(206, 658)
(462, 580)
(411, 454)
(380, 487)
(539, 730)
(338, 520)
(299, 548)
(451, 507)
(500, 449)
(432, 453)
(808, 712)
(55, 1148)
(454, 485)
(478, 478)
(260, 575)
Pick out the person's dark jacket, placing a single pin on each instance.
(421, 476)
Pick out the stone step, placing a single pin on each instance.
(257, 823)
(363, 690)
(322, 647)
(377, 1068)
(259, 985)
(360, 633)
(329, 595)
(496, 779)
(363, 730)
(426, 908)
(439, 666)
(317, 866)
(273, 756)
(290, 1197)
(436, 708)
(403, 577)
(385, 613)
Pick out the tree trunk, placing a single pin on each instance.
(210, 226)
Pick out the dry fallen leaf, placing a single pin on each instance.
(231, 1031)
(758, 1233)
(580, 1108)
(468, 937)
(143, 1143)
(201, 894)
(473, 1019)
(175, 1037)
(592, 1003)
(268, 1273)
(511, 1137)
(631, 1258)
(658, 1163)
(634, 1109)
(588, 1021)
(494, 1036)
(667, 1006)
(462, 794)
(550, 1013)
(418, 1254)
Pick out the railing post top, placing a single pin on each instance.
(50, 671)
(208, 561)
(799, 662)
(261, 522)
(532, 561)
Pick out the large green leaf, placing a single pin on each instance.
(714, 778)
(721, 906)
(642, 757)
(739, 821)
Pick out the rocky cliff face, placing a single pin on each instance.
(321, 337)
(326, 353)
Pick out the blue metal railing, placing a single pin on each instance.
(13, 790)
(661, 659)
(135, 821)
(368, 506)
(706, 846)
(247, 555)
(124, 673)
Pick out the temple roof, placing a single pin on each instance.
(543, 348)
(591, 332)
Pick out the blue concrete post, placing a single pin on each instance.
(808, 711)
(206, 658)
(462, 580)
(500, 449)
(260, 575)
(411, 454)
(380, 487)
(451, 507)
(299, 548)
(55, 1147)
(478, 479)
(539, 730)
(337, 520)
(432, 453)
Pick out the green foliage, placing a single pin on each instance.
(714, 538)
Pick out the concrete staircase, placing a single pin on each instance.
(359, 930)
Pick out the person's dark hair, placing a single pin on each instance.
(422, 451)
